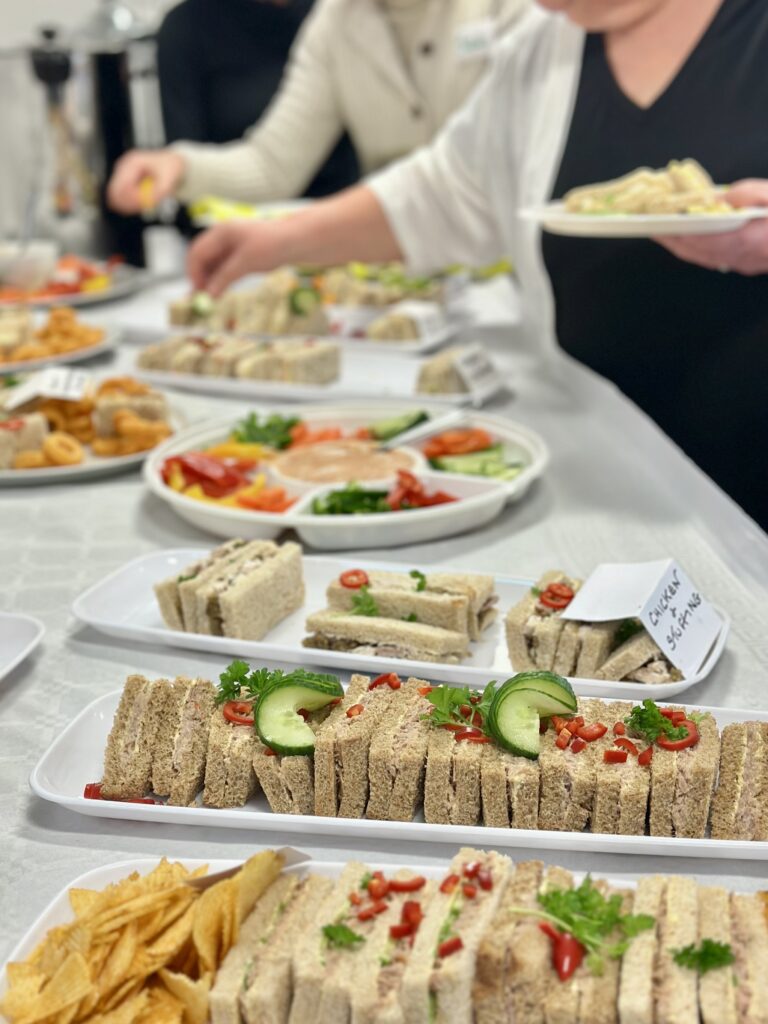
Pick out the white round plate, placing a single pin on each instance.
(91, 468)
(110, 341)
(125, 281)
(481, 500)
(554, 218)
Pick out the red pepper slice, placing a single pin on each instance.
(412, 913)
(238, 712)
(353, 579)
(449, 884)
(578, 744)
(563, 739)
(619, 729)
(390, 679)
(355, 710)
(269, 752)
(687, 741)
(407, 884)
(15, 424)
(550, 601)
(593, 732)
(400, 931)
(627, 745)
(615, 756)
(645, 758)
(92, 791)
(472, 869)
(469, 890)
(424, 690)
(355, 899)
(567, 952)
(378, 888)
(471, 735)
(485, 879)
(560, 590)
(378, 907)
(449, 947)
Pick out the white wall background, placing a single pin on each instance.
(20, 18)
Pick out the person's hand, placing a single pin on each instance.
(142, 178)
(744, 251)
(228, 252)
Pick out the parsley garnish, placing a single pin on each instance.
(447, 702)
(351, 500)
(627, 629)
(648, 721)
(709, 956)
(238, 682)
(363, 603)
(275, 431)
(420, 577)
(592, 919)
(341, 937)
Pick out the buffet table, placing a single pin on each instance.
(616, 490)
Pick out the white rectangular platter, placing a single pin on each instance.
(59, 910)
(363, 375)
(19, 636)
(75, 758)
(123, 605)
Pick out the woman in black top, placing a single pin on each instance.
(220, 63)
(680, 324)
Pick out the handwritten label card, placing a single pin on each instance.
(53, 382)
(665, 599)
(477, 370)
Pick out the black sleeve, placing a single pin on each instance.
(181, 76)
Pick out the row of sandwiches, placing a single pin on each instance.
(452, 951)
(420, 617)
(294, 360)
(539, 638)
(378, 756)
(242, 589)
(278, 305)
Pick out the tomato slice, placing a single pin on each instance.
(645, 758)
(355, 710)
(378, 888)
(390, 679)
(687, 741)
(560, 590)
(619, 729)
(353, 579)
(238, 712)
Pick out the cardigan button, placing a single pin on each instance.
(416, 113)
(426, 49)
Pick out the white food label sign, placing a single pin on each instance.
(428, 316)
(53, 382)
(477, 370)
(475, 38)
(665, 599)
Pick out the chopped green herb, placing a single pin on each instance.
(366, 880)
(420, 577)
(592, 919)
(708, 956)
(447, 929)
(627, 629)
(275, 431)
(648, 721)
(183, 579)
(411, 617)
(238, 682)
(448, 701)
(10, 381)
(351, 500)
(341, 937)
(536, 591)
(385, 961)
(363, 603)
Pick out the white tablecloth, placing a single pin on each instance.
(616, 490)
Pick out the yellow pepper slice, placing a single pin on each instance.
(176, 479)
(99, 283)
(236, 450)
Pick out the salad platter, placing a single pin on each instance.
(124, 605)
(270, 472)
(78, 282)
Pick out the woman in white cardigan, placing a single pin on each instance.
(582, 95)
(388, 72)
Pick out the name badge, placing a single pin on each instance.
(475, 39)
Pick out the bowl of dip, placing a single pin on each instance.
(343, 461)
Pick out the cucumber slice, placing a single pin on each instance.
(384, 430)
(202, 304)
(304, 300)
(277, 721)
(520, 704)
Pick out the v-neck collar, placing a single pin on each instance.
(667, 94)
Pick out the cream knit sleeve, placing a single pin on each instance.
(281, 154)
